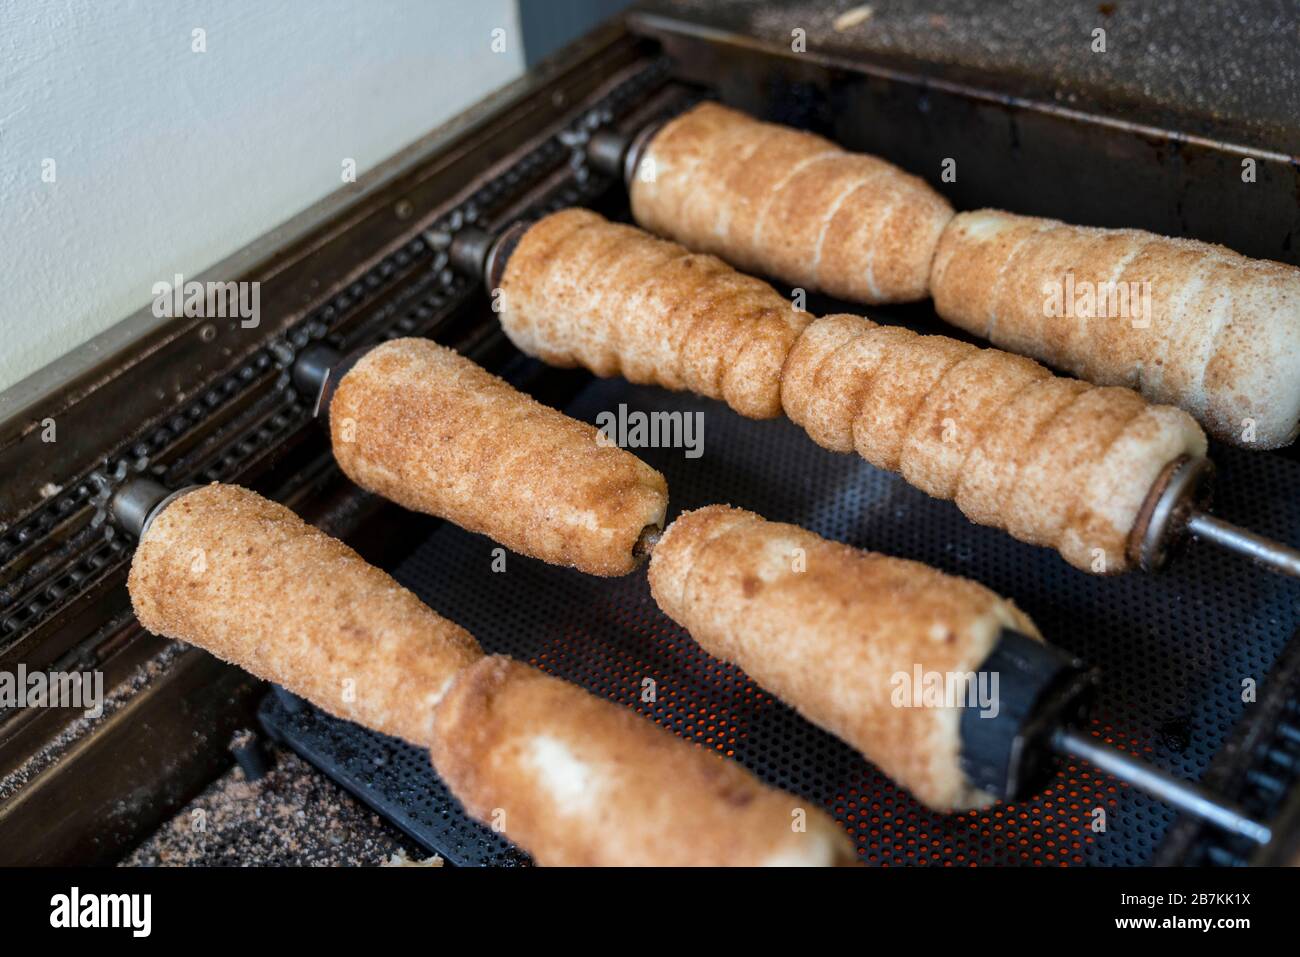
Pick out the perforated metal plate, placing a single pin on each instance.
(1175, 648)
(391, 776)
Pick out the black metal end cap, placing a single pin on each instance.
(606, 149)
(636, 150)
(138, 502)
(494, 267)
(1005, 751)
(318, 371)
(312, 367)
(1185, 484)
(468, 250)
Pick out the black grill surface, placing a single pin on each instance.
(1175, 649)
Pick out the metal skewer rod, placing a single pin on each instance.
(1272, 555)
(1186, 796)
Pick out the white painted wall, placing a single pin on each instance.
(168, 160)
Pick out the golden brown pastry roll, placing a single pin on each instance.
(247, 580)
(1054, 461)
(427, 428)
(789, 204)
(579, 290)
(1183, 322)
(579, 781)
(829, 629)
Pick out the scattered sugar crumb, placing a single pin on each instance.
(401, 860)
(852, 18)
(292, 816)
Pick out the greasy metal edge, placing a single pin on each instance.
(662, 27)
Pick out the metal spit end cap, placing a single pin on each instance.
(606, 150)
(469, 249)
(636, 150)
(138, 502)
(1182, 487)
(312, 367)
(334, 374)
(1039, 688)
(494, 266)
